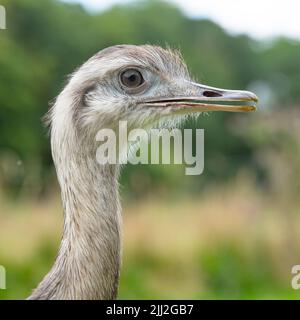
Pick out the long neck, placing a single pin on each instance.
(88, 262)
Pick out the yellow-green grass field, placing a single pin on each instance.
(231, 242)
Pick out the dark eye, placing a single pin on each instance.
(131, 78)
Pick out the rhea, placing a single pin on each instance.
(138, 84)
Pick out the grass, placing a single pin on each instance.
(231, 243)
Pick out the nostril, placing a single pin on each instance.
(212, 94)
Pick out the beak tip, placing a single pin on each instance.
(252, 96)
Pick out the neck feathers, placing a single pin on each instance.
(88, 262)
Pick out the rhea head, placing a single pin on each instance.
(139, 84)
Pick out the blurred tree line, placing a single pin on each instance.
(46, 40)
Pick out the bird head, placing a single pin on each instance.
(140, 85)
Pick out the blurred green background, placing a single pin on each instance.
(232, 232)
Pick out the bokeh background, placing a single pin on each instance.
(234, 231)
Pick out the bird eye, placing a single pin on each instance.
(131, 78)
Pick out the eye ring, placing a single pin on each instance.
(131, 79)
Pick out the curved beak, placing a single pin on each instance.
(205, 98)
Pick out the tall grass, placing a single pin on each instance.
(232, 242)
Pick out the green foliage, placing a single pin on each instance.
(46, 40)
(234, 274)
(21, 278)
(226, 273)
